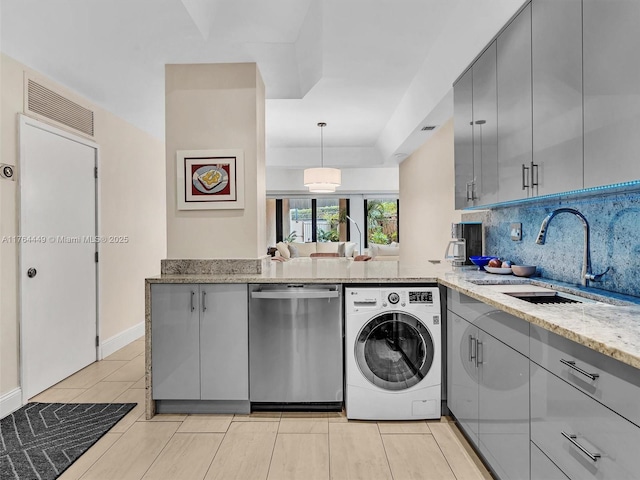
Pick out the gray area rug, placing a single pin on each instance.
(41, 440)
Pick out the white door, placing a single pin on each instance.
(57, 254)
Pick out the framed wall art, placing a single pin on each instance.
(210, 179)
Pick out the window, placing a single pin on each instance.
(298, 221)
(308, 220)
(328, 220)
(382, 220)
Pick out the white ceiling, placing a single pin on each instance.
(375, 70)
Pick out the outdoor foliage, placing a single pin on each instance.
(382, 221)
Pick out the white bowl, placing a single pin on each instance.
(500, 271)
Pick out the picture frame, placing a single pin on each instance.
(210, 179)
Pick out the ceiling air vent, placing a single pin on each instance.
(49, 104)
(428, 128)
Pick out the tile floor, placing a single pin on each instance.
(261, 446)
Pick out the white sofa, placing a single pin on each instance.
(384, 252)
(297, 249)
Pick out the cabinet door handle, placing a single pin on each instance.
(204, 302)
(469, 191)
(193, 294)
(479, 350)
(572, 439)
(472, 353)
(534, 174)
(572, 364)
(525, 174)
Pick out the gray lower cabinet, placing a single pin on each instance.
(199, 342)
(175, 342)
(514, 109)
(224, 342)
(585, 439)
(557, 96)
(462, 382)
(611, 91)
(542, 468)
(488, 382)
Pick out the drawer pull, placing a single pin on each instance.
(572, 364)
(572, 439)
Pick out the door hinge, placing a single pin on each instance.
(97, 341)
(96, 257)
(95, 172)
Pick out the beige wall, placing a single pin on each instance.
(427, 198)
(127, 154)
(216, 106)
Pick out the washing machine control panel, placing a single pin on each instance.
(420, 297)
(393, 298)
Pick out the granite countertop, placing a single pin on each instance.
(613, 330)
(321, 270)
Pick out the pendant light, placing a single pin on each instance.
(322, 180)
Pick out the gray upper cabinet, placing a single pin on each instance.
(514, 108)
(476, 134)
(463, 134)
(557, 96)
(611, 91)
(485, 127)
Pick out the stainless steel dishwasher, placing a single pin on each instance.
(295, 346)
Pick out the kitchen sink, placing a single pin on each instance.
(548, 299)
(538, 294)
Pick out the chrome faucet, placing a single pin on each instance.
(585, 274)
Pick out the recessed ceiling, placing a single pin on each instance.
(374, 70)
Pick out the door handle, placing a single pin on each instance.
(534, 174)
(525, 174)
(572, 439)
(479, 350)
(472, 354)
(193, 294)
(204, 302)
(32, 272)
(572, 364)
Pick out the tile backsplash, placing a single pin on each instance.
(614, 221)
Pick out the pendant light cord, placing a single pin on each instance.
(322, 125)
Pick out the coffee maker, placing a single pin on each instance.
(467, 242)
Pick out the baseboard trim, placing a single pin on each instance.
(10, 402)
(120, 340)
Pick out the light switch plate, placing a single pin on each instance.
(516, 232)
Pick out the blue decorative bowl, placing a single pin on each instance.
(481, 262)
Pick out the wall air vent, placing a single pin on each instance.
(427, 128)
(49, 104)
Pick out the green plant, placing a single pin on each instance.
(330, 236)
(290, 238)
(379, 238)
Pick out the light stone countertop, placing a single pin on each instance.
(613, 330)
(321, 270)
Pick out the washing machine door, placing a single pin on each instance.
(394, 351)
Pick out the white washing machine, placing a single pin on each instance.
(393, 353)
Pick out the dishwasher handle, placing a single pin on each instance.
(294, 294)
